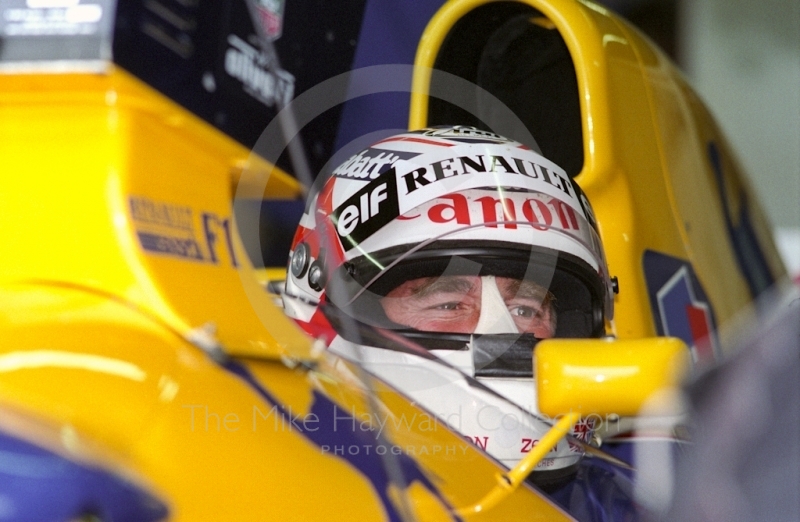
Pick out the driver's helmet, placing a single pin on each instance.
(445, 233)
(453, 244)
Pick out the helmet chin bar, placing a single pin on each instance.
(508, 356)
(503, 355)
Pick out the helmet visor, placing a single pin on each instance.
(462, 282)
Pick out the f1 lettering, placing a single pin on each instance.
(212, 226)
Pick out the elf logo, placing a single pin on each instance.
(367, 206)
(366, 211)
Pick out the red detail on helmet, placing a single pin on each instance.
(319, 327)
(328, 239)
(445, 212)
(490, 205)
(415, 140)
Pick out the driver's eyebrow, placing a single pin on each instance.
(442, 285)
(526, 289)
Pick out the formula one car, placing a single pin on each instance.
(50, 472)
(143, 141)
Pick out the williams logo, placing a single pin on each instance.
(245, 63)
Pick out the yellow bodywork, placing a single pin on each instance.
(130, 314)
(607, 376)
(646, 170)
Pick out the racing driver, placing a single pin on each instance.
(453, 244)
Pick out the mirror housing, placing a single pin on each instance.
(609, 376)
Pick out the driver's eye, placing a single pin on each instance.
(447, 306)
(523, 311)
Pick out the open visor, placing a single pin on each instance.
(534, 264)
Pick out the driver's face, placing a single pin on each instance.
(453, 304)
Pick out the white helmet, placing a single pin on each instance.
(504, 241)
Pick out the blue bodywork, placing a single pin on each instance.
(38, 485)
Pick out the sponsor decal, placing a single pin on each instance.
(528, 444)
(506, 170)
(169, 229)
(583, 429)
(370, 163)
(165, 228)
(680, 306)
(248, 65)
(541, 211)
(407, 185)
(481, 441)
(366, 211)
(175, 246)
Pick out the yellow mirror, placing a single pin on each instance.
(607, 376)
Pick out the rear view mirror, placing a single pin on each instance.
(608, 376)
